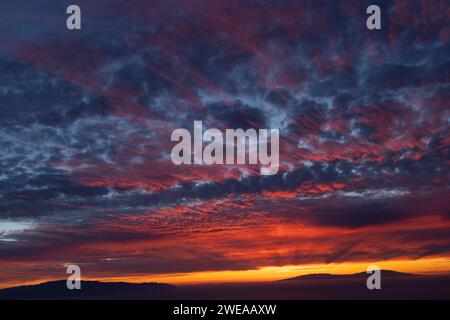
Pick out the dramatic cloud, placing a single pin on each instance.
(86, 118)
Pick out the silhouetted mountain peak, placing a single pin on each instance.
(324, 276)
(89, 290)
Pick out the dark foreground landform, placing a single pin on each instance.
(394, 285)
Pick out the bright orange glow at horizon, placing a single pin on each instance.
(428, 266)
(425, 266)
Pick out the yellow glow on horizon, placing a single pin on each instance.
(425, 266)
(273, 273)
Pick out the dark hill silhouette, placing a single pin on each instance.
(394, 285)
(89, 290)
(329, 276)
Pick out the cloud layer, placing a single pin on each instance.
(86, 118)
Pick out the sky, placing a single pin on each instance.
(86, 117)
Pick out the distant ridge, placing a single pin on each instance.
(396, 285)
(89, 290)
(325, 276)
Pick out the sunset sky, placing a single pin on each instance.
(86, 117)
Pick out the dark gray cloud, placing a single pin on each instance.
(85, 122)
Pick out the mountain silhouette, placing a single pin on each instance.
(395, 285)
(89, 290)
(329, 276)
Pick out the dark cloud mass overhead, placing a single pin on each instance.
(86, 118)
